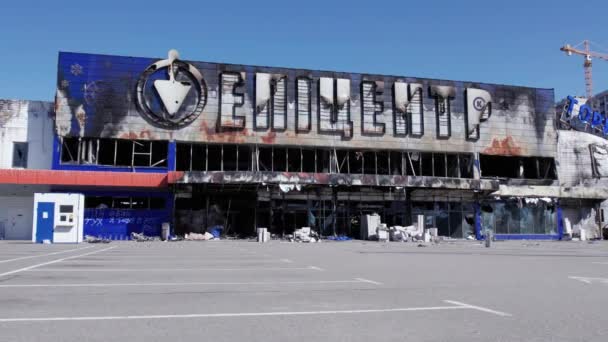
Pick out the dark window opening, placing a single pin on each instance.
(160, 150)
(355, 159)
(214, 157)
(69, 150)
(183, 157)
(106, 153)
(139, 203)
(383, 163)
(121, 203)
(369, 163)
(466, 165)
(308, 160)
(439, 165)
(323, 158)
(279, 162)
(396, 159)
(452, 165)
(229, 158)
(426, 164)
(20, 154)
(157, 203)
(294, 160)
(97, 202)
(199, 157)
(413, 163)
(342, 161)
(517, 167)
(265, 158)
(124, 152)
(530, 167)
(244, 158)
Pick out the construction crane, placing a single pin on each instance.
(588, 54)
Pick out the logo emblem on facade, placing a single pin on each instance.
(479, 103)
(175, 102)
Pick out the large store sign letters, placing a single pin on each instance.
(577, 109)
(333, 97)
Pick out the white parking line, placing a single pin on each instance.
(589, 280)
(30, 268)
(369, 281)
(304, 282)
(457, 306)
(479, 308)
(45, 254)
(315, 268)
(170, 269)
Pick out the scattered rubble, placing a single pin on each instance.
(94, 239)
(198, 237)
(140, 237)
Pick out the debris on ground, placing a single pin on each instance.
(421, 245)
(95, 239)
(305, 234)
(339, 238)
(198, 237)
(140, 237)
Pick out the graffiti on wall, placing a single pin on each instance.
(120, 223)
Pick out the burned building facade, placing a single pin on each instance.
(251, 146)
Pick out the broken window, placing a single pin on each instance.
(323, 159)
(426, 164)
(452, 165)
(369, 162)
(264, 158)
(124, 153)
(106, 155)
(396, 159)
(140, 202)
(546, 168)
(114, 152)
(279, 160)
(149, 153)
(342, 161)
(355, 160)
(199, 157)
(308, 160)
(413, 164)
(229, 158)
(214, 157)
(517, 167)
(466, 165)
(244, 158)
(97, 202)
(439, 164)
(69, 150)
(183, 157)
(20, 154)
(294, 160)
(383, 163)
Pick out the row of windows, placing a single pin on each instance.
(233, 157)
(218, 157)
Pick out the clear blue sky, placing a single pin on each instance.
(510, 42)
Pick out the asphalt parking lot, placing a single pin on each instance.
(329, 291)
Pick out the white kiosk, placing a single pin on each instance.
(58, 218)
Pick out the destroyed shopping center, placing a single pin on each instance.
(211, 146)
